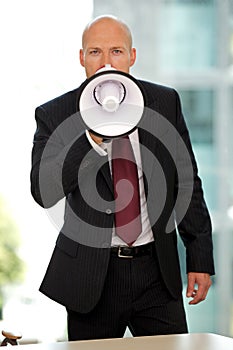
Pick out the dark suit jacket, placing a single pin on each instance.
(65, 165)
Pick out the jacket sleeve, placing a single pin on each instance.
(195, 226)
(61, 156)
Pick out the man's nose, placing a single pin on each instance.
(106, 58)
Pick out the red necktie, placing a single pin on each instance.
(126, 191)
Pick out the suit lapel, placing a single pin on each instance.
(105, 170)
(146, 147)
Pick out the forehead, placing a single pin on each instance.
(106, 31)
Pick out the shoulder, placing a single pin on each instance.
(65, 101)
(153, 90)
(154, 86)
(58, 109)
(161, 98)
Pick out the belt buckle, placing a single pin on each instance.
(123, 256)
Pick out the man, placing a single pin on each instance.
(105, 283)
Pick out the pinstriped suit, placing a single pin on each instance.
(77, 271)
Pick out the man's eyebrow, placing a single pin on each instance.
(93, 48)
(111, 48)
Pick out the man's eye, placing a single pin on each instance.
(94, 52)
(117, 52)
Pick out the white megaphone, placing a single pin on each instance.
(111, 103)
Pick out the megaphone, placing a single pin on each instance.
(111, 103)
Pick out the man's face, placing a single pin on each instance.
(106, 42)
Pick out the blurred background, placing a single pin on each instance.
(186, 44)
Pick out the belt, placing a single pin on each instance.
(133, 252)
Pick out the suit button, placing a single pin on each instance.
(108, 211)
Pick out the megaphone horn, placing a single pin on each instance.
(110, 94)
(111, 103)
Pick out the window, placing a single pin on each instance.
(198, 111)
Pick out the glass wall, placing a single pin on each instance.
(189, 41)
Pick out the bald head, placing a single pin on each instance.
(108, 20)
(107, 40)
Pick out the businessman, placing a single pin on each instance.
(112, 268)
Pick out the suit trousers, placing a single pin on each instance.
(133, 296)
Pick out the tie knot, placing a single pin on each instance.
(122, 148)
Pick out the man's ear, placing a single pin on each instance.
(133, 55)
(81, 57)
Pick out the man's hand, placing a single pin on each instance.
(198, 286)
(95, 138)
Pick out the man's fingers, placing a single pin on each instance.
(198, 295)
(190, 286)
(198, 286)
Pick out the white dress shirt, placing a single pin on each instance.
(104, 149)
